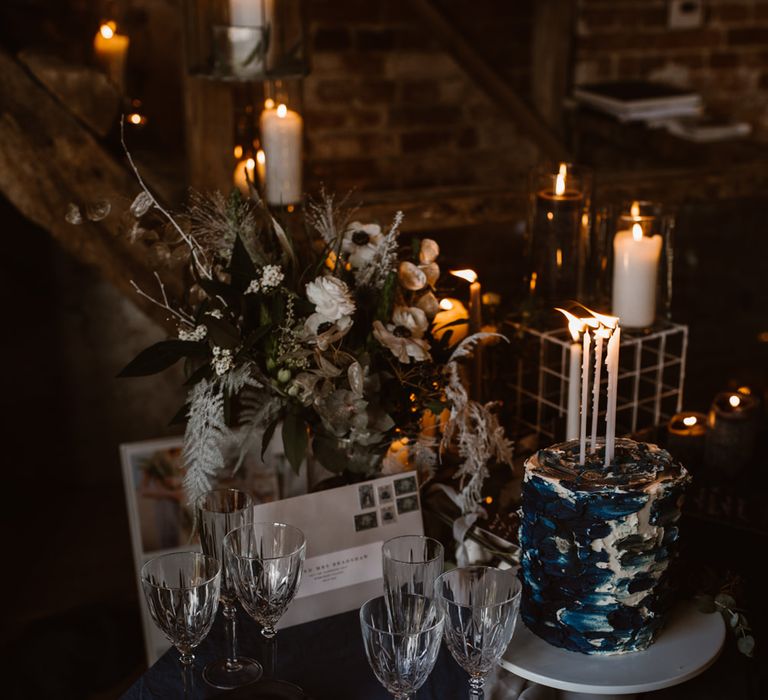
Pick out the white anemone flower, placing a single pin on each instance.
(404, 335)
(321, 331)
(361, 242)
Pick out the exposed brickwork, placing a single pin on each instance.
(387, 108)
(726, 58)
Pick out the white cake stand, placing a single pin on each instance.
(689, 644)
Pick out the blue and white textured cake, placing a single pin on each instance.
(597, 543)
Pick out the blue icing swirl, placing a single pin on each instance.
(597, 544)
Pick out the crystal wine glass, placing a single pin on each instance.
(402, 649)
(218, 513)
(481, 606)
(411, 564)
(265, 562)
(182, 592)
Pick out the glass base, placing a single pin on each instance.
(219, 675)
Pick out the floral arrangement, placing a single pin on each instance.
(329, 342)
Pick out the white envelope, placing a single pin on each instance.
(345, 528)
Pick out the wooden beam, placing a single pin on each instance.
(48, 160)
(490, 81)
(551, 58)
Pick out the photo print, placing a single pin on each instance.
(386, 494)
(367, 497)
(405, 485)
(366, 521)
(388, 515)
(407, 504)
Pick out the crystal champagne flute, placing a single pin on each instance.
(218, 513)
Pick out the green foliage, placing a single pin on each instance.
(294, 440)
(161, 356)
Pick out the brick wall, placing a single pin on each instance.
(387, 108)
(726, 58)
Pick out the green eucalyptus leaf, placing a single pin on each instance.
(704, 603)
(180, 417)
(266, 438)
(162, 355)
(241, 267)
(294, 440)
(733, 619)
(746, 645)
(326, 452)
(387, 298)
(723, 600)
(222, 332)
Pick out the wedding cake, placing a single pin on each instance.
(597, 543)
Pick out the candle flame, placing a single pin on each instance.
(532, 286)
(575, 325)
(238, 152)
(261, 157)
(637, 232)
(689, 420)
(608, 321)
(446, 304)
(282, 111)
(634, 210)
(250, 164)
(560, 179)
(269, 103)
(744, 390)
(108, 29)
(135, 118)
(734, 400)
(469, 275)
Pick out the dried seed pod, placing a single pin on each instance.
(428, 251)
(73, 215)
(411, 277)
(141, 204)
(432, 271)
(98, 210)
(429, 305)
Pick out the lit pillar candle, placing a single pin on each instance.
(453, 316)
(111, 51)
(281, 135)
(686, 434)
(635, 271)
(239, 177)
(584, 398)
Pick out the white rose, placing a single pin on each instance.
(331, 298)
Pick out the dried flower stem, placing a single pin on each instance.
(164, 304)
(194, 247)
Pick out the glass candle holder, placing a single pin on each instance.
(642, 264)
(686, 434)
(732, 426)
(558, 226)
(244, 40)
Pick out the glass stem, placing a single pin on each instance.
(270, 656)
(230, 624)
(476, 685)
(187, 673)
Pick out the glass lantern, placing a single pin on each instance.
(244, 40)
(639, 250)
(559, 203)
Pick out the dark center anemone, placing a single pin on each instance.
(324, 326)
(360, 238)
(402, 332)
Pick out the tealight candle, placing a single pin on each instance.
(281, 136)
(686, 434)
(732, 426)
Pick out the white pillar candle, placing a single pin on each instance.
(635, 270)
(246, 36)
(111, 51)
(612, 363)
(281, 135)
(584, 398)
